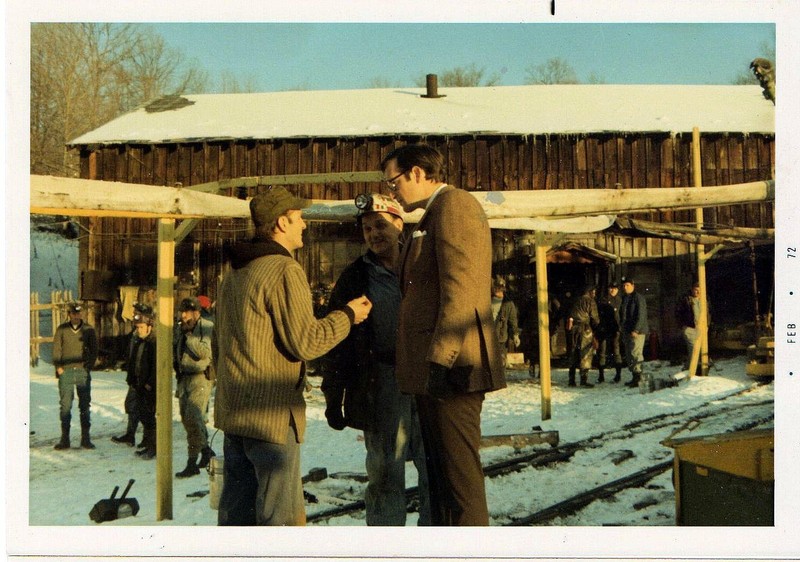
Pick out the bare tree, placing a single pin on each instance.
(381, 82)
(554, 71)
(595, 78)
(85, 74)
(231, 85)
(463, 76)
(745, 77)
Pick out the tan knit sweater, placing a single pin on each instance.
(265, 328)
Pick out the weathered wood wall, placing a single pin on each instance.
(127, 247)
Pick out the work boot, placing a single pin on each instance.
(205, 457)
(585, 379)
(64, 443)
(147, 453)
(148, 450)
(618, 376)
(571, 377)
(601, 377)
(86, 442)
(634, 382)
(190, 470)
(126, 439)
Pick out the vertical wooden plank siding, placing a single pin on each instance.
(495, 165)
(482, 169)
(610, 162)
(709, 176)
(626, 168)
(319, 153)
(653, 155)
(525, 161)
(489, 162)
(185, 164)
(149, 164)
(213, 165)
(453, 163)
(766, 212)
(667, 172)
(360, 163)
(469, 174)
(511, 172)
(580, 164)
(565, 163)
(539, 152)
(135, 164)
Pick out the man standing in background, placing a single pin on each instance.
(74, 355)
(448, 356)
(608, 335)
(192, 360)
(633, 323)
(506, 318)
(582, 322)
(689, 318)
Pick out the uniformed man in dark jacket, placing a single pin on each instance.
(608, 334)
(583, 320)
(74, 355)
(633, 323)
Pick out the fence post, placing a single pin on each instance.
(34, 349)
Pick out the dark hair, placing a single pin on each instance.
(422, 155)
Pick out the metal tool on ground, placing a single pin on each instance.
(115, 508)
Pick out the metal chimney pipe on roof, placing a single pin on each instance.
(432, 86)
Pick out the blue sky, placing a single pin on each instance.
(280, 56)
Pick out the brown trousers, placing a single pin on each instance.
(451, 433)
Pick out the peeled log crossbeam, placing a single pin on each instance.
(562, 203)
(81, 197)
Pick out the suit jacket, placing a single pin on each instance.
(445, 272)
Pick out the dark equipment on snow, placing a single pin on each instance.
(115, 508)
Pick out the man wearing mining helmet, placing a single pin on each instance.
(359, 381)
(191, 360)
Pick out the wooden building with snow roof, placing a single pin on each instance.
(554, 137)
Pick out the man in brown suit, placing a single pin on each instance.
(447, 353)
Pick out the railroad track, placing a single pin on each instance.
(638, 479)
(563, 453)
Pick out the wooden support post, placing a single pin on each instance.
(164, 326)
(544, 322)
(702, 329)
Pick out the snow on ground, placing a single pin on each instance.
(64, 485)
(51, 492)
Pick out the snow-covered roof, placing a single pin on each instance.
(524, 110)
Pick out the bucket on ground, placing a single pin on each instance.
(215, 480)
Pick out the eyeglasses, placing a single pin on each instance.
(390, 182)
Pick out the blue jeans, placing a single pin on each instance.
(261, 482)
(70, 381)
(394, 438)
